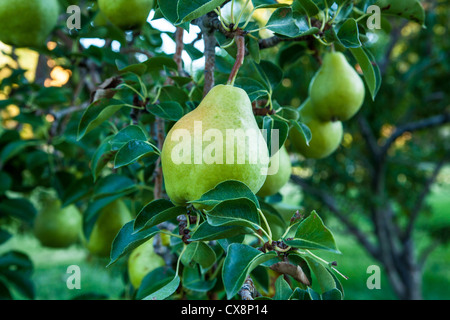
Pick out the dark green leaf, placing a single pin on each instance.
(311, 233)
(370, 69)
(170, 110)
(127, 240)
(227, 190)
(98, 112)
(241, 259)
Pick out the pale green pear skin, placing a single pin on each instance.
(57, 227)
(224, 108)
(111, 219)
(126, 14)
(142, 261)
(27, 23)
(336, 91)
(276, 181)
(326, 135)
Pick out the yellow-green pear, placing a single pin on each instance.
(57, 227)
(281, 162)
(218, 141)
(142, 261)
(25, 23)
(326, 135)
(110, 220)
(336, 91)
(126, 14)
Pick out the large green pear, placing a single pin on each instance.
(326, 135)
(274, 182)
(25, 23)
(142, 261)
(55, 226)
(336, 91)
(126, 14)
(110, 220)
(218, 141)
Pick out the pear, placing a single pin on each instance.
(336, 91)
(276, 181)
(233, 147)
(126, 14)
(27, 23)
(57, 227)
(142, 261)
(111, 219)
(326, 135)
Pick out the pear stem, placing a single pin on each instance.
(240, 42)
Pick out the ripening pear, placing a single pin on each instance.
(57, 227)
(110, 220)
(275, 182)
(142, 261)
(126, 14)
(336, 91)
(218, 141)
(326, 135)
(27, 23)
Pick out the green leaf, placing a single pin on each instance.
(155, 280)
(371, 71)
(199, 252)
(252, 87)
(4, 236)
(138, 68)
(311, 233)
(132, 151)
(227, 190)
(207, 232)
(113, 184)
(260, 4)
(158, 63)
(333, 294)
(241, 259)
(98, 112)
(348, 34)
(189, 10)
(101, 157)
(270, 73)
(170, 110)
(276, 129)
(165, 291)
(127, 240)
(193, 280)
(237, 212)
(132, 132)
(303, 129)
(156, 212)
(408, 9)
(300, 294)
(282, 289)
(323, 275)
(308, 6)
(20, 208)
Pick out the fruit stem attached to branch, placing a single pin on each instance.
(240, 42)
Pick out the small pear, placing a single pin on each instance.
(126, 14)
(142, 261)
(57, 227)
(27, 23)
(336, 91)
(111, 219)
(218, 141)
(326, 135)
(275, 182)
